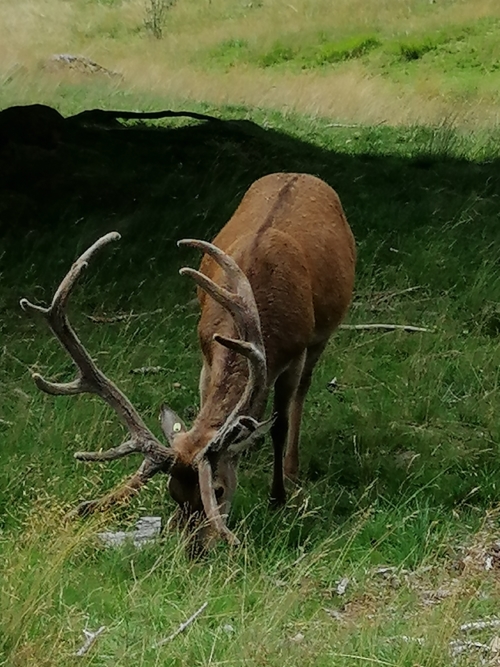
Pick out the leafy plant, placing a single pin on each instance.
(334, 52)
(230, 52)
(415, 50)
(277, 55)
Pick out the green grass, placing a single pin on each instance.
(468, 47)
(399, 464)
(460, 59)
(325, 52)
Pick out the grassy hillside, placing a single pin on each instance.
(387, 62)
(389, 544)
(399, 465)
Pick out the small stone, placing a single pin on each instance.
(333, 385)
(334, 613)
(342, 585)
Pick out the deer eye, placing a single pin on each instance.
(219, 492)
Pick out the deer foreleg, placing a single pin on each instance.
(285, 389)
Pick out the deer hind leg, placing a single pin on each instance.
(285, 389)
(292, 450)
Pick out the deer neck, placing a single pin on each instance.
(228, 378)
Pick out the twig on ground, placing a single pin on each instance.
(386, 327)
(457, 647)
(460, 646)
(381, 122)
(102, 319)
(408, 640)
(385, 296)
(480, 625)
(349, 125)
(148, 370)
(182, 626)
(381, 299)
(120, 317)
(90, 638)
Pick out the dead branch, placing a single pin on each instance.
(121, 317)
(386, 296)
(480, 625)
(183, 626)
(457, 647)
(90, 638)
(378, 300)
(385, 327)
(353, 125)
(148, 370)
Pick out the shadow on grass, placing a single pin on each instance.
(155, 184)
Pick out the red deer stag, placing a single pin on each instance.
(273, 286)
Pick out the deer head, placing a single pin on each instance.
(201, 464)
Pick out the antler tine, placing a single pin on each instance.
(228, 299)
(56, 318)
(247, 349)
(210, 504)
(90, 379)
(126, 490)
(243, 308)
(235, 274)
(240, 302)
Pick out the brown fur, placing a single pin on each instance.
(291, 238)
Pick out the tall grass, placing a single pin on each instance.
(265, 602)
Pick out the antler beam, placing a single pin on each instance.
(92, 380)
(240, 302)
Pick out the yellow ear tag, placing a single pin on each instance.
(177, 427)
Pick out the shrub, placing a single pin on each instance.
(278, 54)
(230, 52)
(355, 47)
(156, 11)
(415, 50)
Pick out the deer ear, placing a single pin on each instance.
(171, 423)
(247, 431)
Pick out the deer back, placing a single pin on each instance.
(290, 236)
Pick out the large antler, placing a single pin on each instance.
(91, 380)
(239, 301)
